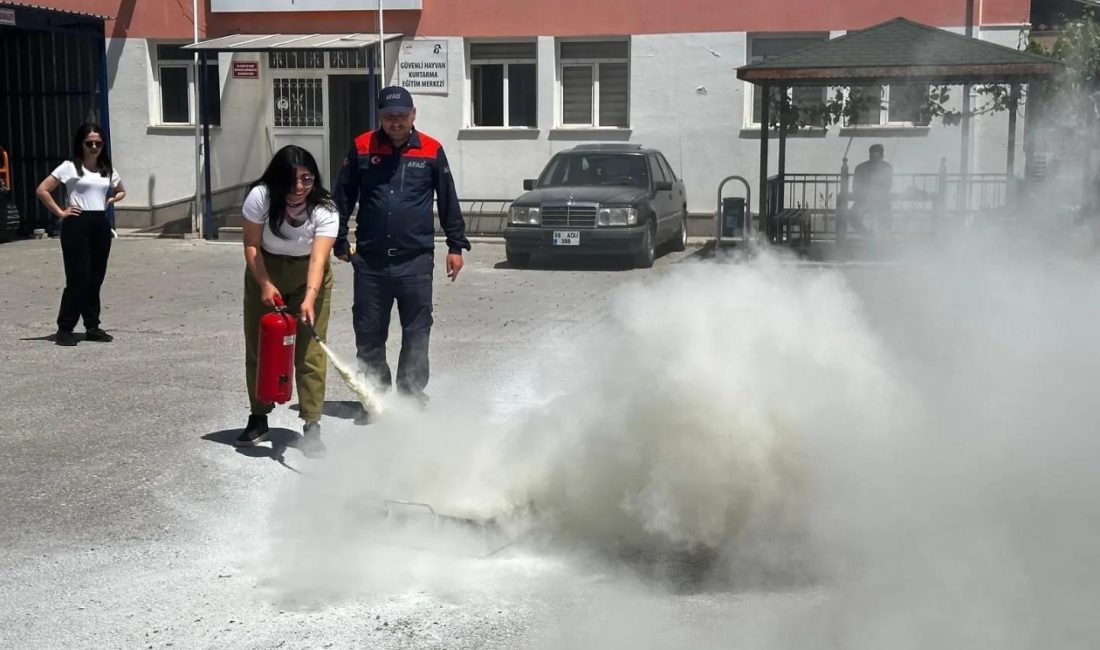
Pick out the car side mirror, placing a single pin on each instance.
(528, 184)
(662, 186)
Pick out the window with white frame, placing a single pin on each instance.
(594, 83)
(765, 46)
(893, 105)
(175, 77)
(503, 84)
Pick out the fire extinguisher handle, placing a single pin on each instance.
(279, 304)
(309, 328)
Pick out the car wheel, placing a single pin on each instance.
(644, 258)
(517, 260)
(680, 242)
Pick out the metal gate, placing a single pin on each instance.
(52, 78)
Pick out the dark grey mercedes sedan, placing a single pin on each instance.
(599, 199)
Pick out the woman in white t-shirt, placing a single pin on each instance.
(92, 184)
(290, 226)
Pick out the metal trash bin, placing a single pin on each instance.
(733, 217)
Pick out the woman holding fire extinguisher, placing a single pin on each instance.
(290, 226)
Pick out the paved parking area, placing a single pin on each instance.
(942, 409)
(125, 518)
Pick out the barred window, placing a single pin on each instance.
(290, 59)
(298, 102)
(348, 59)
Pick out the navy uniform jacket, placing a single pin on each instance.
(394, 191)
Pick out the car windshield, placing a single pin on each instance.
(582, 169)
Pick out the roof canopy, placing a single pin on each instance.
(900, 49)
(269, 42)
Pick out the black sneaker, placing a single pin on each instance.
(67, 339)
(310, 445)
(255, 432)
(98, 335)
(362, 417)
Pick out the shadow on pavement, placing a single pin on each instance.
(279, 438)
(343, 409)
(574, 262)
(50, 337)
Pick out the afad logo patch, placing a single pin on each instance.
(376, 160)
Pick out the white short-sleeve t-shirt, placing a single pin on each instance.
(87, 191)
(323, 222)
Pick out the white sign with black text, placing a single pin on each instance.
(422, 67)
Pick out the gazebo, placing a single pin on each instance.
(898, 51)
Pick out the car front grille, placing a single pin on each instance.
(569, 216)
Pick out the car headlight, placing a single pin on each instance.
(618, 217)
(523, 216)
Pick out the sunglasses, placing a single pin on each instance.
(306, 181)
(93, 144)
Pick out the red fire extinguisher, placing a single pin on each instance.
(275, 355)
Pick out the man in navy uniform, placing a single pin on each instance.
(392, 174)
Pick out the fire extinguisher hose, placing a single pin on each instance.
(357, 385)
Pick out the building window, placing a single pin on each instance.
(503, 84)
(175, 69)
(908, 104)
(353, 59)
(594, 83)
(295, 59)
(298, 102)
(763, 47)
(896, 105)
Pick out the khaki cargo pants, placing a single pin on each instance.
(310, 364)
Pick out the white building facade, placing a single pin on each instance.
(501, 104)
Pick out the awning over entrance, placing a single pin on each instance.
(270, 42)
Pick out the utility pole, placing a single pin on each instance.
(198, 131)
(964, 154)
(381, 43)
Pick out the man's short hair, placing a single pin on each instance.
(876, 147)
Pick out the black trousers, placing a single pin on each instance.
(381, 280)
(85, 247)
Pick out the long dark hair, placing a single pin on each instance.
(279, 178)
(104, 160)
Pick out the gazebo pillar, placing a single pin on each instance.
(1010, 165)
(765, 121)
(782, 147)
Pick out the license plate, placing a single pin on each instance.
(567, 238)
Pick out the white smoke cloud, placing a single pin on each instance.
(907, 451)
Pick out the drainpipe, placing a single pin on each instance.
(105, 108)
